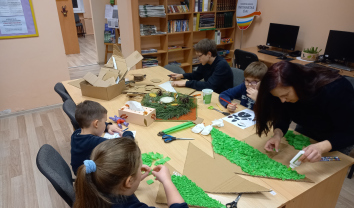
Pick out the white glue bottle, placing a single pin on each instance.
(295, 161)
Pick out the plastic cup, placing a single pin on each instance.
(207, 95)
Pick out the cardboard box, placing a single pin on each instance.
(142, 118)
(104, 93)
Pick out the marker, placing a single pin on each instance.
(125, 129)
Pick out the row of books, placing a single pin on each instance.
(152, 50)
(206, 21)
(177, 26)
(149, 30)
(224, 20)
(177, 8)
(152, 11)
(204, 5)
(226, 5)
(150, 61)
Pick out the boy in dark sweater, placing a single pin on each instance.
(247, 91)
(215, 71)
(92, 118)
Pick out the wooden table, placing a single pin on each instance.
(269, 60)
(328, 176)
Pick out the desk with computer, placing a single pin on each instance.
(339, 52)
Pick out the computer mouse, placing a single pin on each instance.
(283, 57)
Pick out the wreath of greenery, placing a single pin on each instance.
(182, 105)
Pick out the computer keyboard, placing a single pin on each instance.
(319, 65)
(272, 53)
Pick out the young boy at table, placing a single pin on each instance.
(91, 117)
(215, 71)
(246, 92)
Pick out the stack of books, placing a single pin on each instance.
(195, 60)
(204, 5)
(226, 5)
(150, 61)
(206, 21)
(177, 8)
(149, 30)
(151, 50)
(224, 20)
(152, 11)
(178, 26)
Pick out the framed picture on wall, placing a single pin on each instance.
(17, 19)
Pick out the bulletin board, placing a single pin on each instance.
(17, 19)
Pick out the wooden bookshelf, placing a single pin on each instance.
(186, 38)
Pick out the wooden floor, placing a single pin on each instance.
(87, 55)
(22, 185)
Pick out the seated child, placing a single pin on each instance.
(91, 117)
(114, 173)
(246, 92)
(215, 71)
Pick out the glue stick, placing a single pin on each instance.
(295, 161)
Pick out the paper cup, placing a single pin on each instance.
(207, 95)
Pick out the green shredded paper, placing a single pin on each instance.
(182, 105)
(150, 181)
(192, 194)
(149, 158)
(251, 160)
(298, 141)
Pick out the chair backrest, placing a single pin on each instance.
(350, 79)
(56, 170)
(69, 108)
(77, 18)
(238, 76)
(60, 89)
(174, 69)
(244, 58)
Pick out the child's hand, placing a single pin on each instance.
(111, 129)
(231, 107)
(175, 76)
(252, 93)
(161, 173)
(181, 83)
(147, 171)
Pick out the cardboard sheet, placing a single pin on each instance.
(285, 154)
(214, 175)
(76, 83)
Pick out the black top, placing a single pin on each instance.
(329, 112)
(217, 76)
(133, 202)
(82, 146)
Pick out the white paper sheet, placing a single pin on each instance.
(168, 87)
(13, 25)
(111, 12)
(11, 8)
(242, 119)
(115, 135)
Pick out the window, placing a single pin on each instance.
(78, 6)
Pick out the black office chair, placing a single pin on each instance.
(51, 164)
(244, 58)
(69, 108)
(60, 89)
(238, 76)
(174, 68)
(79, 26)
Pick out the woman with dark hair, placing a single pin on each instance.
(318, 100)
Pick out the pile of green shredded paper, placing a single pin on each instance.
(298, 141)
(251, 160)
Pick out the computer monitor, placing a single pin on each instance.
(340, 46)
(282, 36)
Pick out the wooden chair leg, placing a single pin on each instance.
(350, 174)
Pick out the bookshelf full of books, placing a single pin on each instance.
(166, 30)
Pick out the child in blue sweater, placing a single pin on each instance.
(92, 118)
(247, 91)
(112, 175)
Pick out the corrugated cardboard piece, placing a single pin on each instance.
(212, 176)
(142, 118)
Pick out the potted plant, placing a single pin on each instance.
(310, 54)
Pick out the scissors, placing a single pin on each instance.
(168, 138)
(234, 203)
